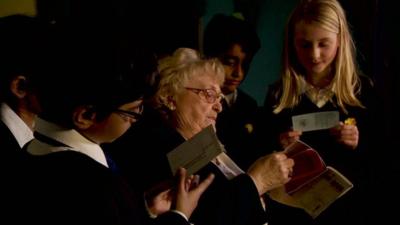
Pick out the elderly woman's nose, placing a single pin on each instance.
(217, 106)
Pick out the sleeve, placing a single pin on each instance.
(171, 218)
(235, 203)
(242, 202)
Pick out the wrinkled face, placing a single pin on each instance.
(197, 105)
(316, 48)
(116, 124)
(236, 64)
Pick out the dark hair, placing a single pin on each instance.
(223, 31)
(92, 69)
(21, 40)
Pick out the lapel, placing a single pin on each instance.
(8, 143)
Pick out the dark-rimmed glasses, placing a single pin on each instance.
(131, 114)
(210, 95)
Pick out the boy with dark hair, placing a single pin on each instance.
(91, 94)
(234, 42)
(20, 44)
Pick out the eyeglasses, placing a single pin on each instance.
(210, 95)
(131, 114)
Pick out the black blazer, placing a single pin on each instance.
(11, 153)
(8, 143)
(12, 173)
(69, 187)
(236, 129)
(352, 163)
(234, 202)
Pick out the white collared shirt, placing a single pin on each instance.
(20, 130)
(231, 98)
(227, 166)
(318, 96)
(69, 137)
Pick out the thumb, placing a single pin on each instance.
(182, 178)
(205, 184)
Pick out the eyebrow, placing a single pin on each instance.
(325, 39)
(134, 106)
(229, 57)
(320, 40)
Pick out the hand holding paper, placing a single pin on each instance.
(287, 138)
(314, 186)
(189, 191)
(346, 134)
(270, 171)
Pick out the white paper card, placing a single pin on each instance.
(315, 121)
(196, 152)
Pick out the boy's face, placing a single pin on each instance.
(115, 125)
(236, 64)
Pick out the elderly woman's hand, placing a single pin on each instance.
(271, 171)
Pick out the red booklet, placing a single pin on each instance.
(308, 165)
(314, 185)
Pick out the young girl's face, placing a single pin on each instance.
(316, 48)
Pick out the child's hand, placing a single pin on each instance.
(189, 191)
(347, 133)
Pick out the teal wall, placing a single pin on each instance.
(270, 20)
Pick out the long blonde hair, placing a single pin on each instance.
(345, 83)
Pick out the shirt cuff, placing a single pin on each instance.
(180, 213)
(151, 215)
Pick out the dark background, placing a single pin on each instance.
(167, 24)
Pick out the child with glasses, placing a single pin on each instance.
(95, 97)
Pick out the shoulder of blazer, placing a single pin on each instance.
(7, 139)
(245, 99)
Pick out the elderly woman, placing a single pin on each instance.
(187, 100)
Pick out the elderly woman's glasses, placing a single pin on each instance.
(210, 95)
(131, 114)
